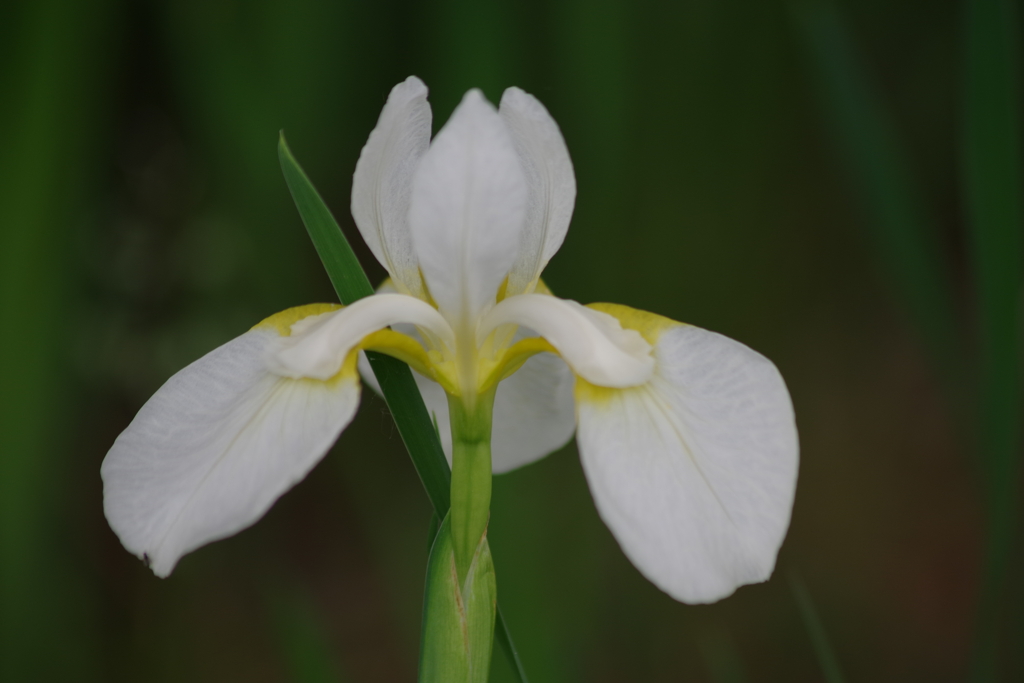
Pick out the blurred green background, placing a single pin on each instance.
(835, 185)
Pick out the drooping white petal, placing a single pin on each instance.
(695, 471)
(534, 409)
(534, 413)
(550, 181)
(319, 344)
(213, 449)
(382, 182)
(467, 210)
(593, 343)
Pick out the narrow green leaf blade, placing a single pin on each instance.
(826, 657)
(410, 415)
(339, 260)
(722, 657)
(992, 181)
(395, 378)
(504, 638)
(904, 233)
(301, 639)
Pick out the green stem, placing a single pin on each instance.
(993, 178)
(471, 475)
(395, 377)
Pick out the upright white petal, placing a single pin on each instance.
(467, 210)
(534, 413)
(382, 182)
(213, 449)
(694, 472)
(550, 181)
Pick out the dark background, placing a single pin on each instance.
(776, 172)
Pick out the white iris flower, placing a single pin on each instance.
(687, 438)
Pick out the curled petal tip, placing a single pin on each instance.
(411, 86)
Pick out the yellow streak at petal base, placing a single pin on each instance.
(539, 287)
(542, 288)
(409, 351)
(650, 326)
(514, 358)
(349, 371)
(282, 322)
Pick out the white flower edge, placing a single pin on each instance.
(551, 185)
(216, 446)
(382, 182)
(695, 471)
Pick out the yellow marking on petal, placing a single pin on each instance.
(650, 326)
(400, 346)
(585, 392)
(429, 298)
(409, 351)
(514, 358)
(348, 372)
(390, 285)
(538, 287)
(502, 290)
(282, 322)
(502, 336)
(542, 288)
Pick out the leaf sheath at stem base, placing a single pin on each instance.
(458, 614)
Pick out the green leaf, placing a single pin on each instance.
(435, 524)
(904, 233)
(57, 62)
(458, 617)
(301, 639)
(722, 657)
(815, 629)
(992, 182)
(395, 377)
(415, 425)
(504, 638)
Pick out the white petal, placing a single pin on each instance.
(467, 210)
(213, 449)
(382, 181)
(593, 343)
(695, 472)
(534, 413)
(550, 181)
(319, 344)
(534, 410)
